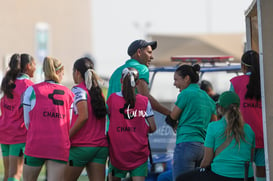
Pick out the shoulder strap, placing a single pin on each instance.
(223, 146)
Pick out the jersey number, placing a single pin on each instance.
(56, 101)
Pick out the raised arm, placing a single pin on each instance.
(143, 89)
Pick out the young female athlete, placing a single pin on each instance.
(229, 146)
(89, 144)
(131, 119)
(193, 109)
(12, 128)
(248, 88)
(47, 108)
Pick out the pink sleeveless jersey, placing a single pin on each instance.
(49, 120)
(128, 148)
(92, 134)
(250, 108)
(12, 127)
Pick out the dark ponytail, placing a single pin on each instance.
(129, 78)
(251, 60)
(97, 101)
(191, 71)
(8, 82)
(85, 66)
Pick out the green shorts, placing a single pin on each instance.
(81, 156)
(38, 162)
(141, 171)
(13, 149)
(259, 157)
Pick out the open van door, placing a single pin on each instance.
(259, 28)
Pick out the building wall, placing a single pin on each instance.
(197, 45)
(69, 24)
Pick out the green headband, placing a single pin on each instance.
(58, 68)
(246, 64)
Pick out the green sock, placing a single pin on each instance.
(12, 179)
(260, 178)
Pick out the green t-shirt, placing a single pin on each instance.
(230, 161)
(114, 82)
(197, 108)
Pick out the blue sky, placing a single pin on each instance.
(117, 23)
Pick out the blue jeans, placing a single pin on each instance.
(187, 156)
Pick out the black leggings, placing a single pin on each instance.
(203, 174)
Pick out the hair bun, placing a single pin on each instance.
(196, 67)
